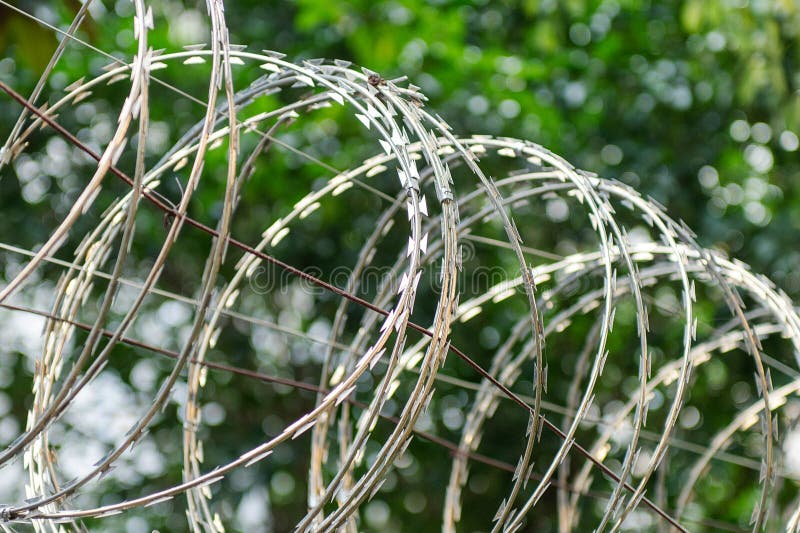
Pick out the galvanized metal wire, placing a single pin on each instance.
(449, 191)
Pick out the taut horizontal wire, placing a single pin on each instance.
(340, 292)
(452, 447)
(444, 378)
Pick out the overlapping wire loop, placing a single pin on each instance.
(445, 191)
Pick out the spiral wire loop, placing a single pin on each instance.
(457, 207)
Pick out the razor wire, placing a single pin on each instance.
(441, 191)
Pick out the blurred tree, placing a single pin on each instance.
(694, 102)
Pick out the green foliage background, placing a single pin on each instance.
(695, 102)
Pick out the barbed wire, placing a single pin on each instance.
(436, 196)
